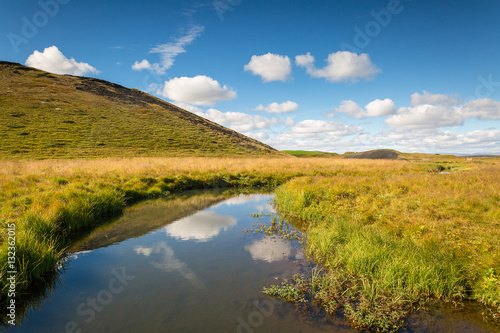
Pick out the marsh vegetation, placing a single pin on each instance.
(390, 235)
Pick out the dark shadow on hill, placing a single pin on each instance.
(379, 154)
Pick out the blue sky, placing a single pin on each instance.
(299, 74)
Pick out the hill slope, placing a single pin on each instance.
(379, 154)
(307, 153)
(44, 115)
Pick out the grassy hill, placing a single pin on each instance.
(307, 153)
(44, 115)
(378, 154)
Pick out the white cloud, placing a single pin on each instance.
(52, 60)
(260, 136)
(238, 121)
(201, 226)
(341, 66)
(427, 140)
(424, 116)
(435, 140)
(435, 99)
(289, 121)
(269, 250)
(315, 135)
(271, 67)
(378, 108)
(349, 107)
(304, 60)
(284, 107)
(483, 108)
(144, 64)
(313, 128)
(441, 115)
(198, 90)
(375, 108)
(169, 51)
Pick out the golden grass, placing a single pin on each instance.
(159, 165)
(49, 199)
(413, 234)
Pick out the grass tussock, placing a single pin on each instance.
(391, 241)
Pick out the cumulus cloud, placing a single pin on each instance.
(349, 107)
(289, 121)
(425, 116)
(304, 60)
(379, 107)
(341, 66)
(434, 99)
(238, 121)
(52, 60)
(144, 64)
(312, 128)
(483, 108)
(375, 108)
(260, 136)
(284, 107)
(169, 51)
(443, 115)
(198, 90)
(271, 67)
(436, 140)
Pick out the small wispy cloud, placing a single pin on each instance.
(169, 51)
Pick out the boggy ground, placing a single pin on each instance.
(396, 232)
(389, 242)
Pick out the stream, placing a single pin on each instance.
(190, 264)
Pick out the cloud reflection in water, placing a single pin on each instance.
(200, 227)
(167, 262)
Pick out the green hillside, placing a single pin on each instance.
(378, 154)
(44, 115)
(308, 153)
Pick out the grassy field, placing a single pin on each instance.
(390, 241)
(308, 154)
(44, 115)
(375, 221)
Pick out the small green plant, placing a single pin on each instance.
(276, 227)
(293, 291)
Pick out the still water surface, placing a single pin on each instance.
(187, 265)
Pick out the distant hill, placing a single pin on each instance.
(44, 115)
(307, 153)
(379, 154)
